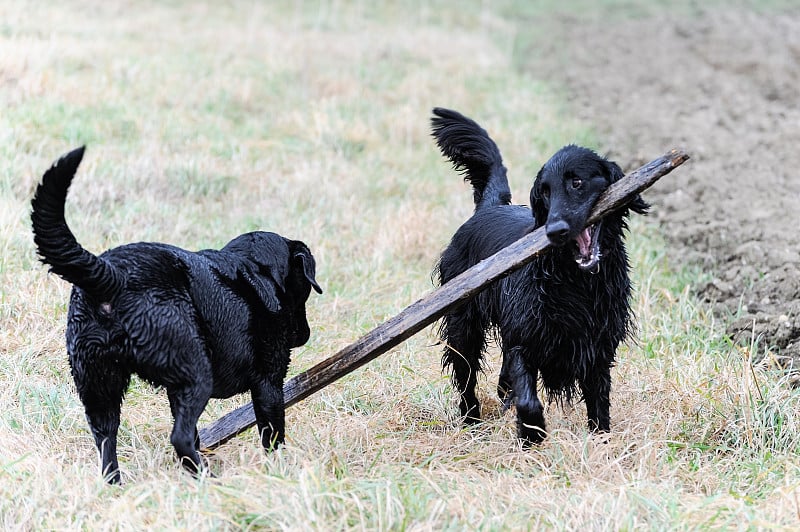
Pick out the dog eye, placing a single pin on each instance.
(577, 182)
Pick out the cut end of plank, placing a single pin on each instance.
(679, 156)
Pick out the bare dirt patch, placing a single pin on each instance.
(723, 85)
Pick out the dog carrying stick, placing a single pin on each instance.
(430, 308)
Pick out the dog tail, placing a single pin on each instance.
(55, 242)
(474, 154)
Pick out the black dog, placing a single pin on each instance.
(563, 315)
(205, 324)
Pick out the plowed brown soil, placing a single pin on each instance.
(725, 85)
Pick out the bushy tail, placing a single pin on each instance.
(55, 242)
(474, 154)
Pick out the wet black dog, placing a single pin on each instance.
(205, 324)
(563, 315)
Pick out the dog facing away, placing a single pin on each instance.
(204, 324)
(560, 317)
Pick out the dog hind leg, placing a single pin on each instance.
(102, 401)
(465, 340)
(187, 404)
(103, 417)
(505, 390)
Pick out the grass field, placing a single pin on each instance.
(310, 119)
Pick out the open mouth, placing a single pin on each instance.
(587, 250)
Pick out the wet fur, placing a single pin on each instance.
(552, 320)
(212, 323)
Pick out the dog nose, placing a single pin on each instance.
(557, 232)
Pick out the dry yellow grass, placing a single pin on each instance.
(311, 120)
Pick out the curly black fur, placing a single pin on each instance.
(562, 316)
(212, 323)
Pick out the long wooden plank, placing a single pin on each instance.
(433, 306)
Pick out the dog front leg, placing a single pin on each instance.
(531, 427)
(596, 389)
(270, 411)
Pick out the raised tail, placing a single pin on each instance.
(55, 242)
(474, 154)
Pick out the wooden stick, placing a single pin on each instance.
(433, 306)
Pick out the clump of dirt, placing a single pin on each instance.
(722, 84)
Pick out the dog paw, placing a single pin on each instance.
(530, 435)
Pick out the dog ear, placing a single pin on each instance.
(264, 287)
(538, 205)
(614, 173)
(302, 257)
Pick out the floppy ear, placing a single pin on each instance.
(302, 257)
(264, 288)
(250, 282)
(614, 174)
(538, 205)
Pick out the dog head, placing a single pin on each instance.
(562, 197)
(283, 277)
(298, 285)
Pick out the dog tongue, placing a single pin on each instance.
(584, 240)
